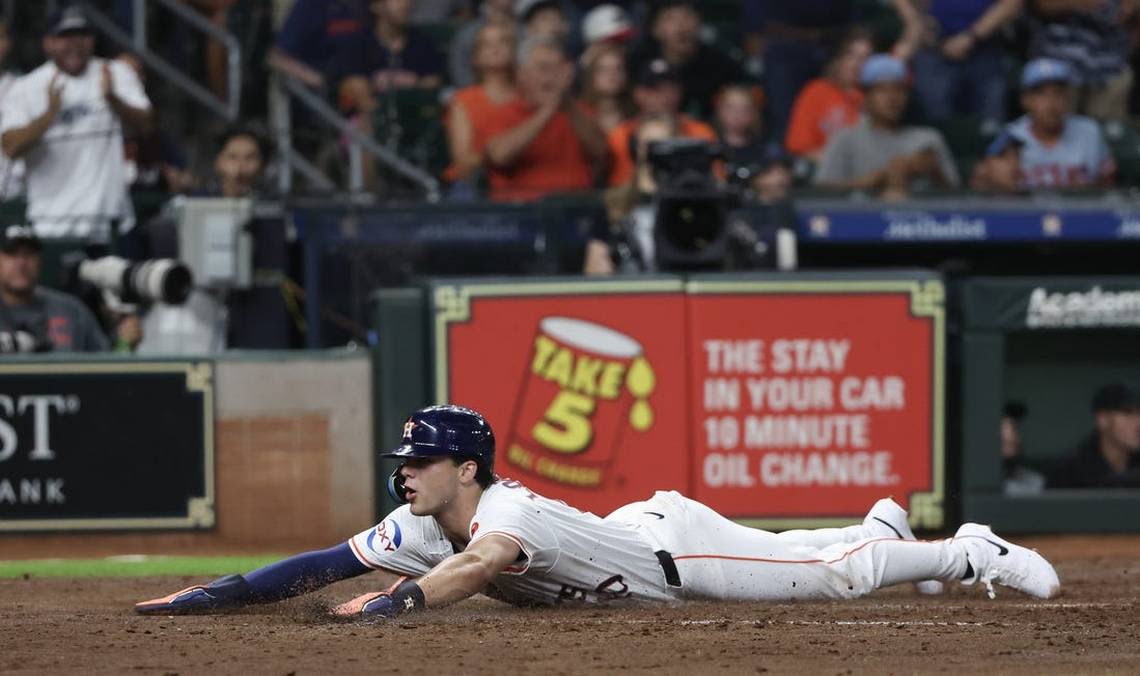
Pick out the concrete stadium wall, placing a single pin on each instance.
(294, 463)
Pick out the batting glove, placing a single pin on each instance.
(225, 592)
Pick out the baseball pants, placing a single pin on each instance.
(722, 560)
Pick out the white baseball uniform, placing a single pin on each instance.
(663, 549)
(76, 174)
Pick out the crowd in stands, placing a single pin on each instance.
(534, 97)
(892, 97)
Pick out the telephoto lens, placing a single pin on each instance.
(159, 279)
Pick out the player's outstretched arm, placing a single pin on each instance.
(289, 577)
(454, 579)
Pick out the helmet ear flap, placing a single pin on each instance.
(396, 487)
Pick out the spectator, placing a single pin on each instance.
(460, 58)
(239, 162)
(739, 125)
(543, 142)
(34, 318)
(703, 69)
(390, 56)
(832, 102)
(657, 91)
(770, 175)
(11, 172)
(473, 111)
(629, 211)
(1092, 37)
(963, 70)
(879, 153)
(313, 36)
(542, 18)
(605, 85)
(1047, 147)
(66, 120)
(606, 24)
(1017, 478)
(1109, 457)
(210, 320)
(760, 166)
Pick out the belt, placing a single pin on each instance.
(672, 577)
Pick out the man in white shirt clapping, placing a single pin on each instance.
(65, 119)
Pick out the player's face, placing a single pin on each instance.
(1047, 105)
(19, 271)
(1121, 428)
(70, 51)
(432, 484)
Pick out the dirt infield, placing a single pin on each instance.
(54, 625)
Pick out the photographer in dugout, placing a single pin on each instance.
(34, 318)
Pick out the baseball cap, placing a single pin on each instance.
(69, 20)
(880, 68)
(655, 72)
(525, 8)
(1115, 397)
(1043, 71)
(606, 22)
(12, 236)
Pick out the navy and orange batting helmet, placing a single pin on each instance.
(445, 431)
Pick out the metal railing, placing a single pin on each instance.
(360, 144)
(230, 107)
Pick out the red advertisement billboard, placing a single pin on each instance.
(787, 403)
(583, 384)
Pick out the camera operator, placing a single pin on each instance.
(34, 318)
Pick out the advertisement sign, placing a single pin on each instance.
(109, 445)
(583, 383)
(787, 403)
(815, 399)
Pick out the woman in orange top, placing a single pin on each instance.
(829, 103)
(473, 111)
(605, 85)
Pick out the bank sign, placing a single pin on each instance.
(109, 445)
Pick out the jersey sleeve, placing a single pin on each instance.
(519, 521)
(401, 543)
(127, 86)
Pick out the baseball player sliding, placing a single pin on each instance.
(464, 531)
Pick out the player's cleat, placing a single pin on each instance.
(996, 560)
(888, 519)
(225, 592)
